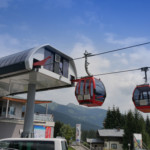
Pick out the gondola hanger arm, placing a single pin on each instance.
(86, 55)
(145, 69)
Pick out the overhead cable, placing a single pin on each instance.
(116, 72)
(111, 51)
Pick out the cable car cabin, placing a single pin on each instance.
(90, 92)
(141, 97)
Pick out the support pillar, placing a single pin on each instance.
(29, 114)
(7, 106)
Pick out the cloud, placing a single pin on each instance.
(96, 64)
(62, 96)
(111, 38)
(141, 55)
(119, 87)
(8, 44)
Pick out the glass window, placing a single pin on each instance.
(81, 87)
(65, 68)
(136, 94)
(77, 88)
(49, 65)
(141, 96)
(149, 94)
(100, 92)
(145, 96)
(87, 86)
(114, 146)
(56, 63)
(11, 110)
(64, 145)
(28, 145)
(4, 111)
(61, 67)
(91, 89)
(0, 110)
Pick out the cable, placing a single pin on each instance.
(111, 51)
(115, 72)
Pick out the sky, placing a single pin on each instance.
(73, 26)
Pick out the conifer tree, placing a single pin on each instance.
(148, 125)
(113, 119)
(128, 130)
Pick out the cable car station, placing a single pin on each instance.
(36, 69)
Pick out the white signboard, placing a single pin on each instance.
(39, 132)
(78, 133)
(137, 139)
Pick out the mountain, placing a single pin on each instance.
(89, 118)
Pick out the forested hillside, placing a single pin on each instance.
(89, 118)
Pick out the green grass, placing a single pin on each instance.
(70, 148)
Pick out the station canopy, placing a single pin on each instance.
(44, 66)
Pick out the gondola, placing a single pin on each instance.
(90, 91)
(141, 95)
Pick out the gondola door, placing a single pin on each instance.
(84, 91)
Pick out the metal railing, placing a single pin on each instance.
(44, 117)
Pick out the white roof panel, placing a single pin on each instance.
(14, 58)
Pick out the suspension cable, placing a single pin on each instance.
(115, 50)
(116, 72)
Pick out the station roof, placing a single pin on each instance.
(22, 100)
(18, 70)
(111, 133)
(14, 58)
(7, 63)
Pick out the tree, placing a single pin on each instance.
(67, 132)
(148, 125)
(57, 128)
(91, 134)
(128, 131)
(107, 121)
(114, 119)
(84, 135)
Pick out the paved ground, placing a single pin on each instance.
(79, 148)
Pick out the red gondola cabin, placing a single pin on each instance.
(90, 91)
(141, 98)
